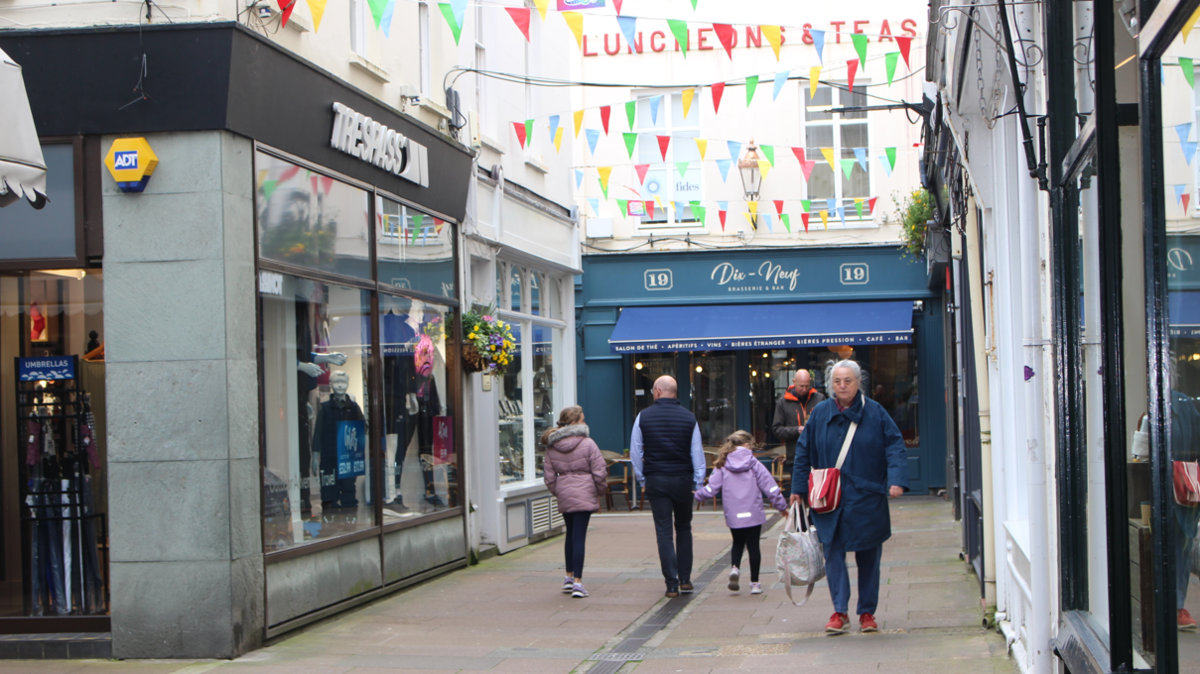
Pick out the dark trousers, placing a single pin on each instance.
(747, 538)
(670, 499)
(573, 546)
(839, 578)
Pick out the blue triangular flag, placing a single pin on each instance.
(842, 214)
(679, 206)
(860, 153)
(723, 205)
(655, 102)
(629, 28)
(1179, 192)
(818, 37)
(831, 205)
(723, 167)
(766, 217)
(460, 10)
(385, 21)
(593, 135)
(735, 148)
(595, 206)
(887, 165)
(578, 179)
(1184, 130)
(1189, 150)
(780, 80)
(553, 126)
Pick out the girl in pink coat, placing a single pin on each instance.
(576, 474)
(745, 481)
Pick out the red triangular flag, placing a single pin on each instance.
(663, 143)
(520, 16)
(1186, 198)
(905, 43)
(286, 9)
(851, 68)
(641, 171)
(617, 4)
(721, 214)
(779, 206)
(799, 152)
(727, 34)
(605, 111)
(650, 209)
(519, 127)
(871, 205)
(718, 90)
(804, 219)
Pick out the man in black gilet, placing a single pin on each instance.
(668, 461)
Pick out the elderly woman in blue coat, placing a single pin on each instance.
(875, 468)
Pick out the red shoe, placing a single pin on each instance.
(1186, 622)
(866, 623)
(837, 624)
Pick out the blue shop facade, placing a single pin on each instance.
(733, 327)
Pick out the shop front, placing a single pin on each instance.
(232, 399)
(734, 327)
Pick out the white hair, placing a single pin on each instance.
(850, 365)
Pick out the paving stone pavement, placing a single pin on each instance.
(508, 615)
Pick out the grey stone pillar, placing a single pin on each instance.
(182, 389)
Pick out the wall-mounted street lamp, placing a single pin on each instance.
(751, 177)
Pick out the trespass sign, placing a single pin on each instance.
(376, 144)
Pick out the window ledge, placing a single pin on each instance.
(370, 68)
(493, 144)
(536, 164)
(522, 489)
(430, 105)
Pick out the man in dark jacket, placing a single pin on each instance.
(791, 414)
(668, 461)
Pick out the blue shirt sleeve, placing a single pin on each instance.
(635, 451)
(698, 456)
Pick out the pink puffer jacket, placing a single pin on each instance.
(574, 470)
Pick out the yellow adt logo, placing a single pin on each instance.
(131, 162)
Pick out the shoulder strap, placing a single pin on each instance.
(846, 444)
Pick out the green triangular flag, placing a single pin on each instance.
(890, 60)
(807, 205)
(679, 30)
(377, 7)
(860, 46)
(787, 222)
(858, 207)
(682, 167)
(698, 210)
(891, 155)
(448, 12)
(604, 188)
(631, 113)
(848, 167)
(417, 218)
(769, 153)
(528, 132)
(268, 188)
(751, 85)
(624, 204)
(1189, 73)
(630, 142)
(693, 5)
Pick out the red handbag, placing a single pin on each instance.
(825, 484)
(1187, 482)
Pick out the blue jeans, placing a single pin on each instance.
(839, 578)
(575, 542)
(671, 503)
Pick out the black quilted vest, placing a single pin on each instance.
(667, 430)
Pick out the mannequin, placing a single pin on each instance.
(308, 364)
(410, 401)
(338, 496)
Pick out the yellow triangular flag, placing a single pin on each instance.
(814, 78)
(764, 167)
(752, 206)
(827, 152)
(605, 172)
(702, 145)
(825, 218)
(688, 94)
(773, 35)
(578, 122)
(1191, 23)
(541, 7)
(658, 200)
(317, 9)
(575, 23)
(558, 139)
(750, 220)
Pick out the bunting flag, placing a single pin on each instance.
(641, 170)
(825, 218)
(702, 146)
(751, 86)
(808, 167)
(623, 204)
(316, 8)
(718, 89)
(682, 167)
(726, 34)
(377, 7)
(631, 113)
(688, 95)
(787, 222)
(851, 69)
(655, 104)
(575, 23)
(1191, 23)
(593, 135)
(680, 30)
(768, 152)
(871, 205)
(804, 219)
(698, 211)
(904, 43)
(541, 7)
(780, 80)
(628, 26)
(891, 155)
(847, 167)
(735, 149)
(860, 46)
(1179, 191)
(814, 78)
(1189, 72)
(455, 28)
(617, 4)
(578, 179)
(578, 121)
(694, 5)
(437, 225)
(827, 152)
(774, 35)
(649, 209)
(595, 204)
(605, 172)
(721, 215)
(520, 16)
(460, 12)
(779, 206)
(679, 206)
(858, 204)
(418, 220)
(841, 211)
(807, 205)
(663, 143)
(818, 37)
(860, 153)
(831, 205)
(553, 119)
(723, 167)
(766, 217)
(605, 113)
(286, 7)
(764, 167)
(630, 142)
(521, 129)
(890, 61)
(752, 208)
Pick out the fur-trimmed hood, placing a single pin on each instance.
(569, 431)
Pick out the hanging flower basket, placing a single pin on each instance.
(488, 344)
(472, 360)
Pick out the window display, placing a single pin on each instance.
(414, 251)
(544, 378)
(512, 415)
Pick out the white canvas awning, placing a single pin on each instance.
(22, 168)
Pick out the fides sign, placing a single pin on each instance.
(362, 137)
(704, 39)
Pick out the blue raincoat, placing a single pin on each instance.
(876, 460)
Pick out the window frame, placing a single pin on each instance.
(835, 123)
(667, 113)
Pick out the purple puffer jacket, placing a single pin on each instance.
(574, 470)
(745, 481)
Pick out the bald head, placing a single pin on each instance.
(665, 387)
(802, 381)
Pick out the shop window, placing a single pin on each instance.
(647, 368)
(53, 537)
(420, 466)
(714, 396)
(847, 136)
(315, 351)
(535, 294)
(666, 187)
(310, 220)
(545, 388)
(413, 250)
(516, 276)
(48, 233)
(512, 416)
(892, 378)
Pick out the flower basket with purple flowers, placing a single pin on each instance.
(488, 344)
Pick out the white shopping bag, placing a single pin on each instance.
(799, 557)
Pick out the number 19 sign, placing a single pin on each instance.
(659, 279)
(854, 274)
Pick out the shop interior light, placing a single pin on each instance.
(767, 375)
(753, 373)
(699, 369)
(637, 366)
(76, 274)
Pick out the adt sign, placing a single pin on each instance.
(125, 160)
(131, 162)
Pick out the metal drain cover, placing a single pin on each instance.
(618, 657)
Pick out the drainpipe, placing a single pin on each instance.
(987, 489)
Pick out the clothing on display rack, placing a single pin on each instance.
(335, 492)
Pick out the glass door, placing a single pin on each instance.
(714, 396)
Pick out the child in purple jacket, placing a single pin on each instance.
(745, 481)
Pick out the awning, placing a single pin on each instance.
(759, 326)
(22, 169)
(1183, 310)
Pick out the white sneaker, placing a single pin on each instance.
(755, 588)
(733, 579)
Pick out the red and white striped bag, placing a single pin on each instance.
(1187, 482)
(825, 484)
